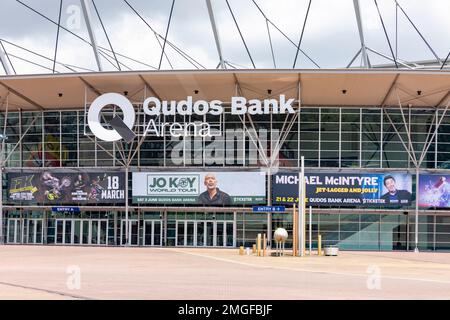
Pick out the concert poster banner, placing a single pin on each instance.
(344, 189)
(66, 187)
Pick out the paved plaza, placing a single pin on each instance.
(58, 272)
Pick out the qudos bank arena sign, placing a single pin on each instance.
(153, 107)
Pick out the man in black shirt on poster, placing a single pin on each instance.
(213, 196)
(394, 195)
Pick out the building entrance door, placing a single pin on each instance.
(14, 231)
(81, 231)
(33, 231)
(225, 234)
(205, 233)
(152, 233)
(133, 229)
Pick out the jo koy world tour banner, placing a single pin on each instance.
(61, 187)
(343, 189)
(434, 190)
(200, 188)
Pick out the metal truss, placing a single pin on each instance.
(117, 60)
(408, 144)
(87, 19)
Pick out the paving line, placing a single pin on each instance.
(397, 258)
(365, 275)
(46, 291)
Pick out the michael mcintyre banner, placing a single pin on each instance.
(434, 190)
(60, 187)
(202, 188)
(343, 189)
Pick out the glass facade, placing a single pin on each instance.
(330, 138)
(327, 137)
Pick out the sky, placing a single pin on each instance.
(330, 38)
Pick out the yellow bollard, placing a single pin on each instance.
(258, 245)
(319, 245)
(254, 248)
(241, 250)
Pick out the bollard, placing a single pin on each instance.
(254, 248)
(319, 245)
(241, 250)
(258, 245)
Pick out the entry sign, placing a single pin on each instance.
(66, 209)
(269, 209)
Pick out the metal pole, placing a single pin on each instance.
(2, 163)
(310, 230)
(4, 61)
(127, 233)
(87, 19)
(294, 232)
(301, 208)
(416, 230)
(1, 203)
(361, 33)
(216, 32)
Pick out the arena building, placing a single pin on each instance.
(375, 144)
(213, 157)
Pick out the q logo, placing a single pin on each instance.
(121, 128)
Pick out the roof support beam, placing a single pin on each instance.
(87, 19)
(17, 93)
(429, 140)
(150, 87)
(388, 93)
(4, 61)
(90, 86)
(361, 33)
(216, 33)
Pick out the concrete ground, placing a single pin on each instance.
(53, 272)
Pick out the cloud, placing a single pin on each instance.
(330, 38)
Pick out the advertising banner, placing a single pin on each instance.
(344, 189)
(63, 187)
(201, 188)
(434, 190)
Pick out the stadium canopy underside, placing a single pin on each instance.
(337, 87)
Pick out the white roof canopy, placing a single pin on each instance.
(318, 87)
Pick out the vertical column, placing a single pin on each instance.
(269, 227)
(301, 209)
(43, 139)
(20, 141)
(381, 136)
(360, 137)
(234, 229)
(416, 230)
(45, 227)
(1, 200)
(310, 230)
(127, 225)
(319, 140)
(340, 137)
(115, 228)
(165, 229)
(2, 164)
(436, 140)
